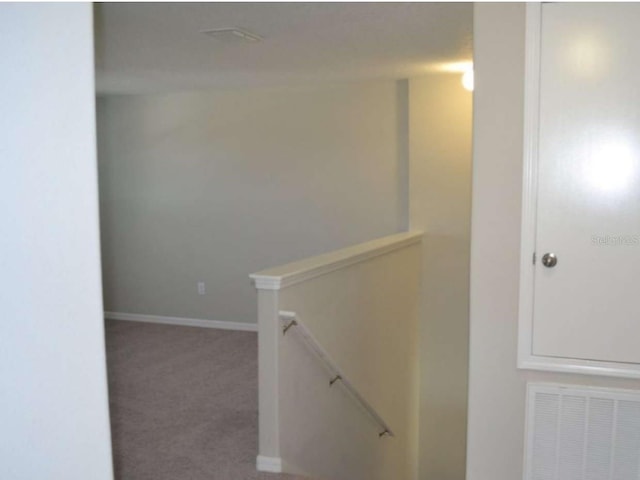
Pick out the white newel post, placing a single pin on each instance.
(268, 365)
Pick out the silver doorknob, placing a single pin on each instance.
(549, 260)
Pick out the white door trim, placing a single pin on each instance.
(529, 184)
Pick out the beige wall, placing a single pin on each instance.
(440, 200)
(212, 186)
(496, 387)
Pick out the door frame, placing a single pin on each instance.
(526, 358)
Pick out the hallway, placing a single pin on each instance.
(183, 402)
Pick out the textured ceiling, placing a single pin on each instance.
(151, 47)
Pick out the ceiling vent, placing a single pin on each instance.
(233, 35)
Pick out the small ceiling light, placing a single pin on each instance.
(467, 80)
(233, 35)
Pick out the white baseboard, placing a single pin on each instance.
(277, 465)
(269, 464)
(185, 322)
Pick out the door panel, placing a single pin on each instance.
(588, 212)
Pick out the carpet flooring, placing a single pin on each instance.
(184, 403)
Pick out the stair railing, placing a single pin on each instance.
(290, 320)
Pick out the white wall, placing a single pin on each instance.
(53, 400)
(440, 200)
(211, 186)
(496, 387)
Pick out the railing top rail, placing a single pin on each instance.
(290, 320)
(296, 272)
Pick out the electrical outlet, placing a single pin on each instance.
(201, 288)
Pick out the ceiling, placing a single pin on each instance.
(159, 47)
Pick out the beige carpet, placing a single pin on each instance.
(183, 403)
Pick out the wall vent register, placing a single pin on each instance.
(579, 433)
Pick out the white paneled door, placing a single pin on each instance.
(587, 290)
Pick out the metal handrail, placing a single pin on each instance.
(290, 320)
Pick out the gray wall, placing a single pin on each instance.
(440, 199)
(213, 186)
(496, 387)
(53, 400)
